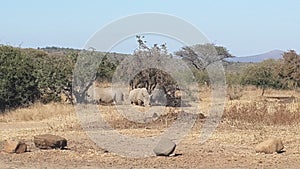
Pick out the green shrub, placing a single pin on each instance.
(263, 75)
(201, 76)
(18, 85)
(53, 74)
(233, 79)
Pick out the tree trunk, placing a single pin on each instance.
(263, 91)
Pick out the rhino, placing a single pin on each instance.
(158, 97)
(106, 96)
(139, 96)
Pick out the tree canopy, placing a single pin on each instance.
(202, 55)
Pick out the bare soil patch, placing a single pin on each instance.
(232, 145)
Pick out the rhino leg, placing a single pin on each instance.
(140, 102)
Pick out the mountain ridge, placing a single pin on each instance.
(273, 54)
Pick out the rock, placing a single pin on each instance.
(10, 146)
(165, 147)
(22, 148)
(270, 146)
(201, 116)
(49, 141)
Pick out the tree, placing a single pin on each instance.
(84, 75)
(105, 69)
(290, 69)
(263, 75)
(152, 59)
(200, 56)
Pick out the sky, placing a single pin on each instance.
(244, 27)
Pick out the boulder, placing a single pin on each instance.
(10, 146)
(269, 146)
(22, 148)
(49, 141)
(165, 147)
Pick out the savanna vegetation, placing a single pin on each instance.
(33, 81)
(45, 74)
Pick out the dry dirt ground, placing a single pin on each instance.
(231, 145)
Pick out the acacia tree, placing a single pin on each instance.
(202, 55)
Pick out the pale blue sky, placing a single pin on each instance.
(245, 27)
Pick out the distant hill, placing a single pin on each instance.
(274, 54)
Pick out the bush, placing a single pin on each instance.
(105, 70)
(233, 79)
(53, 74)
(28, 75)
(263, 75)
(18, 85)
(235, 92)
(201, 77)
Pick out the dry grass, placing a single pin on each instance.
(118, 121)
(234, 92)
(232, 146)
(246, 105)
(264, 112)
(251, 93)
(249, 108)
(103, 84)
(37, 112)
